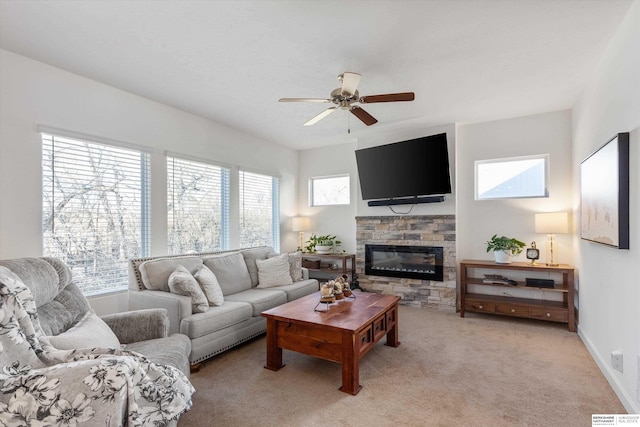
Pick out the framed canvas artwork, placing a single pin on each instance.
(604, 192)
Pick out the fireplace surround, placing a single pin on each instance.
(410, 230)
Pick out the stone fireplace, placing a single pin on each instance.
(415, 257)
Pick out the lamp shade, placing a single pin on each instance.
(300, 223)
(552, 223)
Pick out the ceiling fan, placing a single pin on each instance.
(347, 95)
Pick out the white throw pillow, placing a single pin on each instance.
(295, 264)
(209, 284)
(181, 282)
(273, 271)
(89, 332)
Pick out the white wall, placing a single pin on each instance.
(609, 288)
(334, 220)
(477, 221)
(341, 159)
(33, 94)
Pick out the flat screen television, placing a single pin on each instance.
(412, 168)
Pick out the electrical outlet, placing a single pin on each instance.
(616, 360)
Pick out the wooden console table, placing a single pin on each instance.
(555, 311)
(348, 264)
(344, 333)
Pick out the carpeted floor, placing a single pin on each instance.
(448, 371)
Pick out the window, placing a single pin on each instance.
(95, 209)
(329, 190)
(198, 206)
(259, 210)
(514, 177)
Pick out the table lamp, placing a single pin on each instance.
(552, 223)
(300, 224)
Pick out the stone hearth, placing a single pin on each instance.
(413, 230)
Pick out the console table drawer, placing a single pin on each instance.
(480, 306)
(512, 310)
(556, 315)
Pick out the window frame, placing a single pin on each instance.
(543, 157)
(311, 185)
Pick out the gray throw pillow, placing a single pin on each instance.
(209, 284)
(181, 282)
(295, 266)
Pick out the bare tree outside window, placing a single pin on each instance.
(259, 210)
(329, 190)
(198, 206)
(95, 209)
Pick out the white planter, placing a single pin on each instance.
(323, 249)
(502, 257)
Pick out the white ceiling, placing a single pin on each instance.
(230, 61)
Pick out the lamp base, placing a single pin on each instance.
(552, 251)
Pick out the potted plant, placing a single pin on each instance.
(504, 248)
(322, 244)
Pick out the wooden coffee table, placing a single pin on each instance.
(344, 333)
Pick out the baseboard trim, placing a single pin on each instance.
(627, 401)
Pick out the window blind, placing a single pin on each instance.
(95, 209)
(198, 206)
(259, 210)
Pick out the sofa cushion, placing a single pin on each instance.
(250, 257)
(181, 282)
(89, 332)
(300, 288)
(215, 319)
(274, 271)
(260, 299)
(210, 286)
(155, 272)
(172, 350)
(231, 272)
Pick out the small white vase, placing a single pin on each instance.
(502, 257)
(323, 249)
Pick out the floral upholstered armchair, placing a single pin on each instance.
(60, 364)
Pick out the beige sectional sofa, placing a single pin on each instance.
(238, 273)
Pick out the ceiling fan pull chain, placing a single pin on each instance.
(348, 123)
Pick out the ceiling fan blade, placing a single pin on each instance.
(350, 82)
(303, 100)
(320, 116)
(389, 97)
(366, 118)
